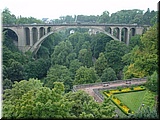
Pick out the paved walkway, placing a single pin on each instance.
(90, 91)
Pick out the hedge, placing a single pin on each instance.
(117, 102)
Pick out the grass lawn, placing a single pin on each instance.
(132, 99)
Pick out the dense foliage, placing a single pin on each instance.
(40, 86)
(145, 113)
(134, 16)
(143, 59)
(29, 99)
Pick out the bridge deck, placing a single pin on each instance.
(71, 24)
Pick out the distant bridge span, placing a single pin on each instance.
(29, 37)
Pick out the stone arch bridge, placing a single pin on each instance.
(29, 37)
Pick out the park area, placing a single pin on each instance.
(131, 95)
(129, 99)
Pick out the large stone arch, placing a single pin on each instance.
(37, 45)
(11, 33)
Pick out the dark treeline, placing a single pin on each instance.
(40, 86)
(134, 16)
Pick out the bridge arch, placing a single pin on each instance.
(132, 32)
(116, 32)
(125, 34)
(110, 30)
(27, 35)
(34, 34)
(48, 29)
(42, 31)
(37, 45)
(13, 34)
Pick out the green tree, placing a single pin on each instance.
(146, 17)
(28, 20)
(61, 51)
(15, 71)
(154, 18)
(85, 75)
(98, 43)
(100, 64)
(135, 40)
(8, 18)
(85, 57)
(7, 84)
(37, 68)
(79, 98)
(108, 75)
(114, 51)
(30, 100)
(58, 73)
(138, 19)
(144, 59)
(48, 46)
(152, 82)
(84, 106)
(20, 88)
(104, 18)
(74, 66)
(126, 16)
(77, 39)
(145, 113)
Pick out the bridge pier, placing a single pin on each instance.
(31, 37)
(120, 33)
(127, 39)
(38, 35)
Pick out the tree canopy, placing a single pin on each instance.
(143, 59)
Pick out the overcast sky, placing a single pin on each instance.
(55, 8)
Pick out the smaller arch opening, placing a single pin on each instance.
(108, 29)
(124, 35)
(116, 32)
(48, 29)
(35, 34)
(42, 31)
(27, 31)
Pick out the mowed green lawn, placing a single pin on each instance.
(132, 99)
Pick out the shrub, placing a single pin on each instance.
(107, 91)
(119, 88)
(129, 111)
(114, 97)
(121, 104)
(132, 88)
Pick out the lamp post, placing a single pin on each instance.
(141, 106)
